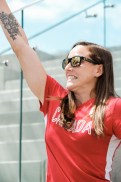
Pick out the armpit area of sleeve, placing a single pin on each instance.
(117, 119)
(44, 106)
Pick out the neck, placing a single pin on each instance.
(83, 97)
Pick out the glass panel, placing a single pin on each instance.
(9, 117)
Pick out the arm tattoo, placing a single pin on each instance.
(10, 24)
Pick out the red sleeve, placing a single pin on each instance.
(52, 89)
(117, 119)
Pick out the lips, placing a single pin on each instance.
(71, 77)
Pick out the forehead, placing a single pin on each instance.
(79, 50)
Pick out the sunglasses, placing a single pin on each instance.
(77, 60)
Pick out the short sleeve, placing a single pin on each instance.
(117, 119)
(52, 90)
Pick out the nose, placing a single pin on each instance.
(68, 67)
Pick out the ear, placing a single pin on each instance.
(99, 70)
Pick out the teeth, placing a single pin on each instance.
(72, 77)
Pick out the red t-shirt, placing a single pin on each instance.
(77, 155)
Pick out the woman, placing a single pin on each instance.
(84, 129)
(83, 121)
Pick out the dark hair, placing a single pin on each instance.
(104, 89)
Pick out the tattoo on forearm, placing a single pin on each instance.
(10, 24)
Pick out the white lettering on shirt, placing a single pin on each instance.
(88, 128)
(56, 115)
(82, 125)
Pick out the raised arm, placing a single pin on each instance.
(33, 70)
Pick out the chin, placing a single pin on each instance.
(69, 86)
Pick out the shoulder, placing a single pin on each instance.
(115, 107)
(114, 102)
(54, 88)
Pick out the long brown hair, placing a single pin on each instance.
(103, 90)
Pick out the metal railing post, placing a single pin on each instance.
(104, 23)
(21, 111)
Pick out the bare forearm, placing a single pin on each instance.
(30, 63)
(10, 25)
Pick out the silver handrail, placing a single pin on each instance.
(27, 6)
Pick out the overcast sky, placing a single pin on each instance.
(61, 38)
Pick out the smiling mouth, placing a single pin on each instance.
(71, 77)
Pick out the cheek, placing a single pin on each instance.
(85, 70)
(86, 74)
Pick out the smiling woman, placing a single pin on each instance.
(83, 128)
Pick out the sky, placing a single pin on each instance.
(46, 13)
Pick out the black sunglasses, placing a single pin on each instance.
(77, 60)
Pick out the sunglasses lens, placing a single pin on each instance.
(76, 61)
